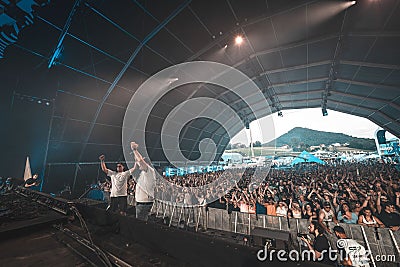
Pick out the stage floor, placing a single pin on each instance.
(34, 235)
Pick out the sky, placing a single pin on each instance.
(312, 118)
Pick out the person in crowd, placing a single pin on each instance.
(389, 217)
(308, 213)
(119, 185)
(345, 215)
(320, 246)
(295, 209)
(270, 206)
(302, 201)
(350, 252)
(106, 188)
(281, 209)
(358, 207)
(366, 218)
(131, 192)
(326, 215)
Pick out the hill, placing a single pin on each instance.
(302, 137)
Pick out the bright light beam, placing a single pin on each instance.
(320, 12)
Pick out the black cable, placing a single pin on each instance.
(102, 256)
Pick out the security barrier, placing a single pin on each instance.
(381, 242)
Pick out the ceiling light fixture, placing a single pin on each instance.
(239, 40)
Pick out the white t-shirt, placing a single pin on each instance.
(281, 211)
(119, 183)
(145, 186)
(354, 251)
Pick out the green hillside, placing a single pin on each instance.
(302, 137)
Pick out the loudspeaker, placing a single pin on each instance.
(277, 239)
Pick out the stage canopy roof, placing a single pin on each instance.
(91, 57)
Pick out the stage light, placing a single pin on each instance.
(226, 46)
(32, 99)
(239, 40)
(349, 4)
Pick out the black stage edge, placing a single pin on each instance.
(186, 247)
(28, 217)
(21, 215)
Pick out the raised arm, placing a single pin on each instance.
(357, 188)
(351, 194)
(398, 199)
(103, 164)
(334, 199)
(138, 157)
(365, 204)
(309, 195)
(378, 203)
(321, 217)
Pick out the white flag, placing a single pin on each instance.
(27, 173)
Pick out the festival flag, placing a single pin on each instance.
(27, 173)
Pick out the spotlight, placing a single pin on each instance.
(239, 40)
(39, 101)
(47, 103)
(348, 4)
(226, 46)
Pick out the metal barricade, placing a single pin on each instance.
(381, 242)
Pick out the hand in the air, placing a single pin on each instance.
(134, 146)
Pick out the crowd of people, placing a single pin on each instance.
(366, 193)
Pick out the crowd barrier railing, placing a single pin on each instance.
(382, 243)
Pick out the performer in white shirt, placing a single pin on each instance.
(119, 185)
(145, 185)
